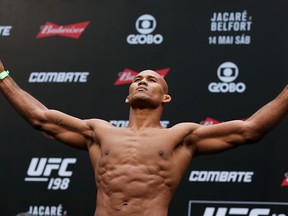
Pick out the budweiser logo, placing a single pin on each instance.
(71, 31)
(211, 121)
(127, 75)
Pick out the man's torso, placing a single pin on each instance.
(137, 171)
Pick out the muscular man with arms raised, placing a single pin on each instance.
(138, 168)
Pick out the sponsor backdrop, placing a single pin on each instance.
(222, 59)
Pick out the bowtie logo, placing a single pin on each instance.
(127, 75)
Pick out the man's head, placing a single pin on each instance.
(148, 89)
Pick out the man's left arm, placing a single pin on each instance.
(265, 119)
(227, 135)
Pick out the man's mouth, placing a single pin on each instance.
(141, 89)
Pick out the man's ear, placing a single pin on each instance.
(167, 98)
(127, 100)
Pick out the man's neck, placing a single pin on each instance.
(144, 118)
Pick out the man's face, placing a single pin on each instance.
(148, 88)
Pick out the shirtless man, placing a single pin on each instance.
(138, 168)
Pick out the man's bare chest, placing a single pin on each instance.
(141, 145)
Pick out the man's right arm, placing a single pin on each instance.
(67, 129)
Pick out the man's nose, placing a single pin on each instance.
(142, 82)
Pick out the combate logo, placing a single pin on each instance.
(70, 31)
(5, 30)
(125, 123)
(127, 75)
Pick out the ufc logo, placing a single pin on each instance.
(236, 211)
(45, 166)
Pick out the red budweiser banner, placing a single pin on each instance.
(127, 75)
(70, 31)
(285, 181)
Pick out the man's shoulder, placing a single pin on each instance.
(98, 123)
(185, 128)
(186, 125)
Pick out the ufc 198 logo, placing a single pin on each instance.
(236, 208)
(55, 171)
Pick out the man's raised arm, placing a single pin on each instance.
(266, 118)
(67, 129)
(224, 136)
